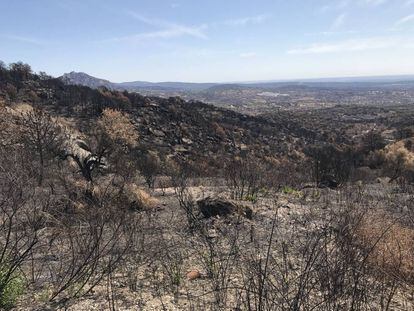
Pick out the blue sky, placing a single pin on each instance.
(210, 40)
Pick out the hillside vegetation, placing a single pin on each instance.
(114, 200)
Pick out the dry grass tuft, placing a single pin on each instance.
(391, 245)
(131, 197)
(138, 198)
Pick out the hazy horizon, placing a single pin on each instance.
(216, 42)
(379, 78)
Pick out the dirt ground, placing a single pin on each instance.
(158, 279)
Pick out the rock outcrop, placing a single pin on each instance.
(212, 207)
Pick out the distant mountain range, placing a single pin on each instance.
(81, 78)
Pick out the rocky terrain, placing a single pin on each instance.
(115, 200)
(184, 130)
(81, 78)
(175, 273)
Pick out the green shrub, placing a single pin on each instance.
(11, 288)
(290, 190)
(251, 198)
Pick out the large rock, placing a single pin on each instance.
(328, 182)
(211, 207)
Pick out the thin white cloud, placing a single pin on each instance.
(22, 39)
(340, 5)
(248, 55)
(409, 2)
(257, 19)
(149, 21)
(339, 21)
(324, 8)
(167, 29)
(161, 34)
(374, 2)
(343, 4)
(353, 45)
(333, 33)
(405, 20)
(200, 53)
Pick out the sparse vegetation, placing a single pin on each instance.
(11, 288)
(239, 212)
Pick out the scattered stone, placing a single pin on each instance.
(180, 148)
(383, 180)
(193, 275)
(157, 132)
(212, 233)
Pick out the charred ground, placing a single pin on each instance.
(111, 199)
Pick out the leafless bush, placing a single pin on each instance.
(332, 164)
(220, 254)
(65, 254)
(21, 219)
(42, 136)
(150, 166)
(181, 179)
(244, 177)
(172, 256)
(328, 269)
(87, 247)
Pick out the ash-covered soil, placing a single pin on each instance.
(287, 250)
